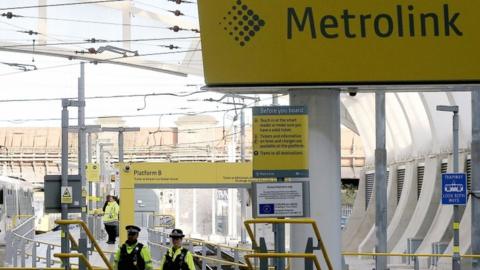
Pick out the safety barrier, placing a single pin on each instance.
(409, 255)
(18, 218)
(306, 256)
(212, 254)
(89, 235)
(262, 252)
(71, 255)
(161, 221)
(96, 224)
(22, 248)
(14, 246)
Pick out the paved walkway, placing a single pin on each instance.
(2, 255)
(354, 263)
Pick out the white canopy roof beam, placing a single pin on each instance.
(129, 62)
(126, 28)
(163, 19)
(42, 24)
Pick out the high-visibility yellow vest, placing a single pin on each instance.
(111, 212)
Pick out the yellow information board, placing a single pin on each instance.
(92, 171)
(285, 42)
(280, 141)
(190, 174)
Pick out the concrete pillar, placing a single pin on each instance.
(232, 213)
(194, 215)
(475, 176)
(214, 212)
(177, 208)
(324, 162)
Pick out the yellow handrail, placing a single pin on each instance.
(90, 236)
(309, 256)
(289, 221)
(74, 255)
(74, 243)
(373, 254)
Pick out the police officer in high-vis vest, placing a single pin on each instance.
(133, 255)
(177, 257)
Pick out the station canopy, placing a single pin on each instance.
(158, 35)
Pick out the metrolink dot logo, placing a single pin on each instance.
(241, 23)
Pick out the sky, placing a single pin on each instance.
(57, 77)
(103, 80)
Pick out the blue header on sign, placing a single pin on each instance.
(279, 110)
(454, 189)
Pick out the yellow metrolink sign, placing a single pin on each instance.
(285, 42)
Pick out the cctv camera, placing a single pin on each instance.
(352, 91)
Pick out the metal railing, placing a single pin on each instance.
(310, 247)
(305, 256)
(22, 248)
(413, 256)
(15, 241)
(96, 224)
(74, 255)
(210, 254)
(161, 221)
(19, 218)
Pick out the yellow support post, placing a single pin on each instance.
(127, 209)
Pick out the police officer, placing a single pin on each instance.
(133, 255)
(177, 257)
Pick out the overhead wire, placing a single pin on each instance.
(44, 68)
(166, 94)
(103, 97)
(107, 60)
(94, 22)
(163, 9)
(61, 4)
(198, 142)
(211, 141)
(133, 115)
(114, 116)
(99, 41)
(42, 34)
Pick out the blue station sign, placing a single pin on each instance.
(454, 189)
